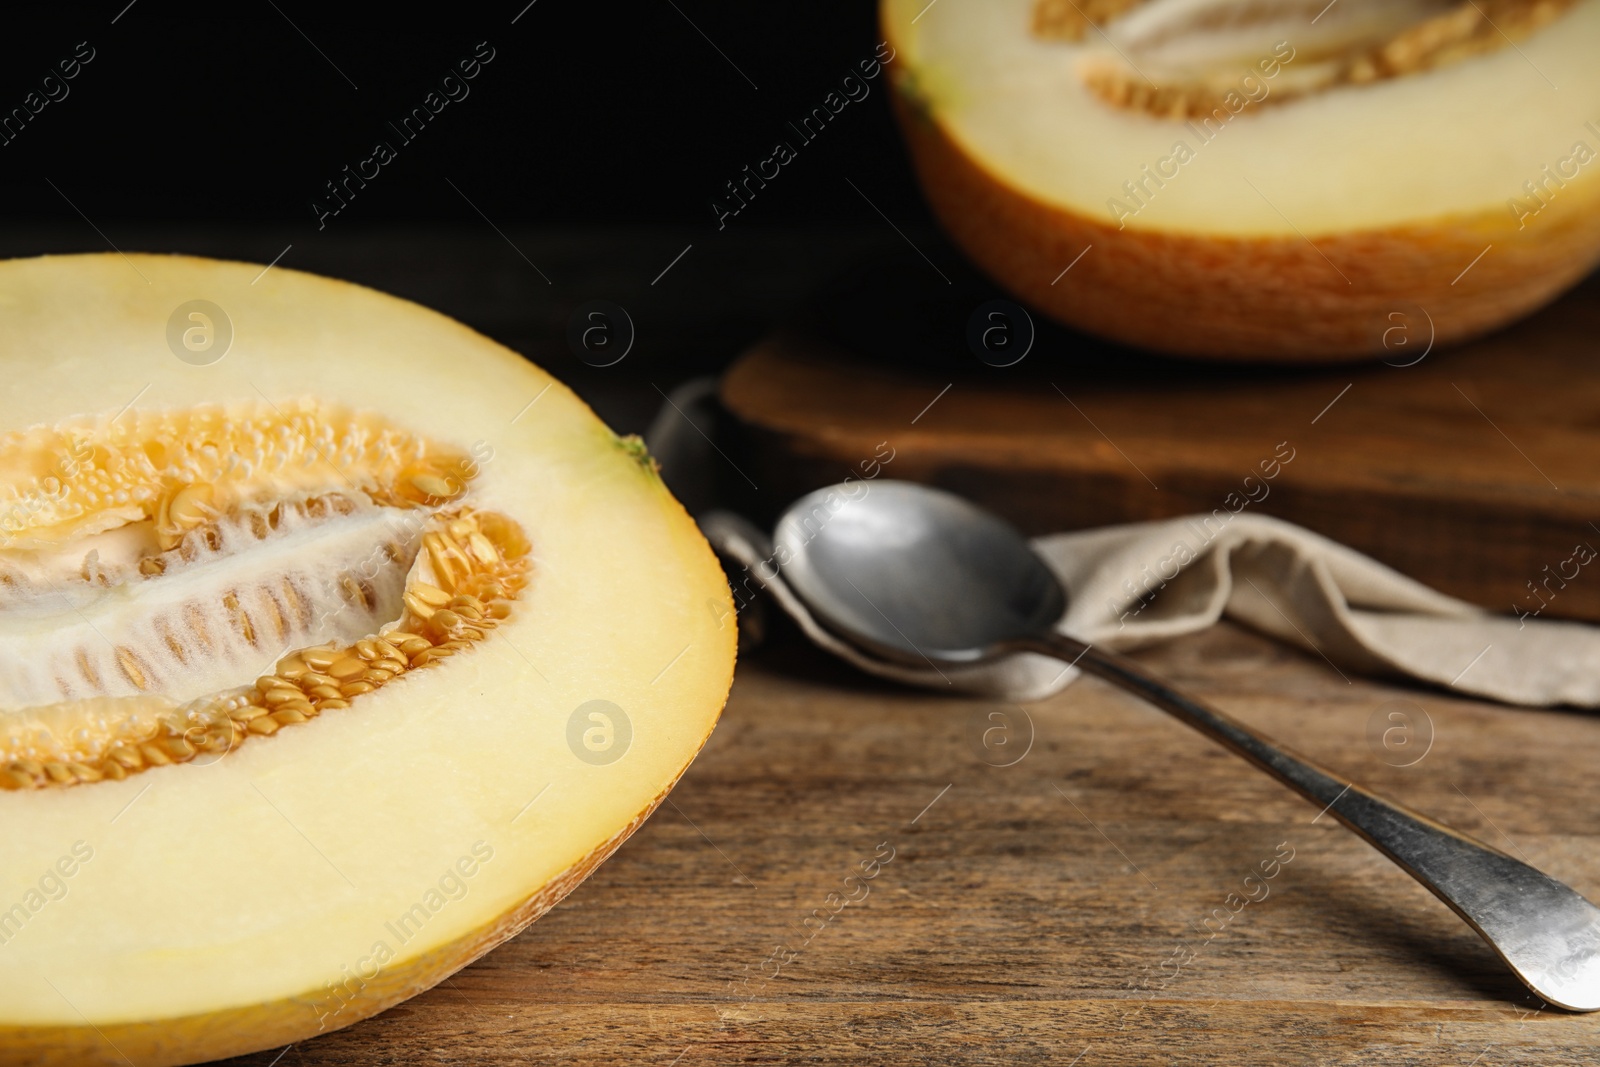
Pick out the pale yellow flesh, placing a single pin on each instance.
(1454, 142)
(275, 871)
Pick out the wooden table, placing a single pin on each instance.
(1033, 913)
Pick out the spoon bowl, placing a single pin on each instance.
(916, 574)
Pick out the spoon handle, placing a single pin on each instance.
(1546, 932)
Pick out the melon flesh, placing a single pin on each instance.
(305, 880)
(1454, 141)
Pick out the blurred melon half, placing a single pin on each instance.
(1267, 180)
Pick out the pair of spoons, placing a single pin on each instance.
(920, 577)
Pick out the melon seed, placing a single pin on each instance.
(347, 668)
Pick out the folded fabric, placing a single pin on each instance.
(1138, 585)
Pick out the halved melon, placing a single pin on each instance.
(325, 666)
(1261, 179)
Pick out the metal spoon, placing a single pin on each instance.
(923, 577)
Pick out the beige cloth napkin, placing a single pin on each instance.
(1138, 585)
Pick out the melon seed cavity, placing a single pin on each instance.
(175, 584)
(1181, 58)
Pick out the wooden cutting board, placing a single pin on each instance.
(1066, 902)
(1475, 470)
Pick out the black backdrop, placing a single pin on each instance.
(577, 164)
(590, 112)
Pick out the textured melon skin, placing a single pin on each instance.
(1247, 299)
(396, 785)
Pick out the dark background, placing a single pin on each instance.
(582, 163)
(592, 111)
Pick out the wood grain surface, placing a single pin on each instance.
(1051, 911)
(1475, 470)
